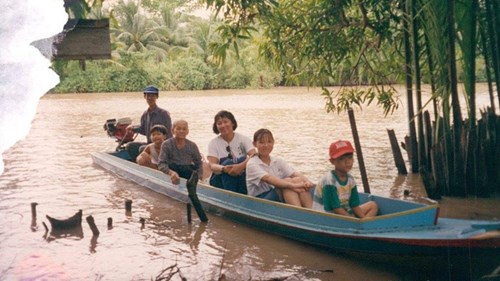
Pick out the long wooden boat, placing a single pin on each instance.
(403, 229)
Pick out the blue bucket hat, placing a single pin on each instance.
(151, 90)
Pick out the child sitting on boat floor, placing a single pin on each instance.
(149, 156)
(272, 178)
(180, 157)
(337, 190)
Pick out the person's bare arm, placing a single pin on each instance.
(214, 164)
(283, 184)
(238, 169)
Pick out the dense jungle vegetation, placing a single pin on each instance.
(163, 43)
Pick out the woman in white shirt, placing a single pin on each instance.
(272, 178)
(228, 154)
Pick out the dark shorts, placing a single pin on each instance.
(270, 195)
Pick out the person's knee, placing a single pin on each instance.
(143, 160)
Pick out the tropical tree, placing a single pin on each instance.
(358, 42)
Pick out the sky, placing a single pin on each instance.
(25, 74)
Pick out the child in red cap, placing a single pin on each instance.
(337, 190)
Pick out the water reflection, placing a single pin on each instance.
(74, 233)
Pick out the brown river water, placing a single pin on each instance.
(52, 166)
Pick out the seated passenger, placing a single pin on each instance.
(228, 154)
(337, 190)
(272, 178)
(180, 157)
(149, 156)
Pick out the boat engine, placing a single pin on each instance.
(118, 129)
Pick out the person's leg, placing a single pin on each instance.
(291, 197)
(145, 160)
(303, 199)
(133, 150)
(216, 180)
(186, 171)
(270, 195)
(236, 183)
(370, 208)
(230, 183)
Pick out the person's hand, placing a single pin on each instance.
(130, 129)
(298, 187)
(308, 185)
(174, 177)
(234, 169)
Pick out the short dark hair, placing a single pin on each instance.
(224, 114)
(159, 128)
(260, 133)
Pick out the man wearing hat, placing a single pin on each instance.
(152, 116)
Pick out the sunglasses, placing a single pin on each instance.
(229, 153)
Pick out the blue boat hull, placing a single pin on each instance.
(405, 229)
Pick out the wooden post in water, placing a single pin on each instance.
(396, 152)
(93, 227)
(33, 210)
(33, 216)
(359, 153)
(128, 205)
(191, 187)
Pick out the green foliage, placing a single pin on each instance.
(349, 97)
(191, 73)
(319, 42)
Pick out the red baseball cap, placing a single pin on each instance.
(340, 148)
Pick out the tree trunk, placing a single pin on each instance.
(493, 30)
(422, 161)
(458, 181)
(412, 148)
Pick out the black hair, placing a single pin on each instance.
(224, 114)
(260, 133)
(159, 128)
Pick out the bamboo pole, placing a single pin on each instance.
(359, 152)
(428, 139)
(458, 181)
(421, 156)
(412, 145)
(396, 152)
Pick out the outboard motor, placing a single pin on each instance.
(118, 129)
